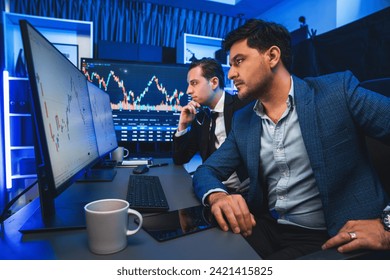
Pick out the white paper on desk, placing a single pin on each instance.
(137, 161)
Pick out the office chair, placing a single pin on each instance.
(379, 154)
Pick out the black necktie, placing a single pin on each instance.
(212, 137)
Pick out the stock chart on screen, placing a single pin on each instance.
(146, 98)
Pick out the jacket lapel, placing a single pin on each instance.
(307, 117)
(253, 161)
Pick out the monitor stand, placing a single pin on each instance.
(105, 164)
(98, 175)
(67, 217)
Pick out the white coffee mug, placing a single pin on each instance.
(119, 154)
(107, 225)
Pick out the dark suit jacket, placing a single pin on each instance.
(196, 140)
(334, 114)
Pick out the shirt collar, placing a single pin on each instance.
(259, 109)
(219, 107)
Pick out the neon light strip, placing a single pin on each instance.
(7, 130)
(228, 2)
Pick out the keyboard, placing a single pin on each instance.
(145, 194)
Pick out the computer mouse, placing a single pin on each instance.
(140, 169)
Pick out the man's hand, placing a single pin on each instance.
(231, 210)
(360, 234)
(187, 115)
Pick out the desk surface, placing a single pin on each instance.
(72, 244)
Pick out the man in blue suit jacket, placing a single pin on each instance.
(302, 143)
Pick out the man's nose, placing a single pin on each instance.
(232, 73)
(189, 90)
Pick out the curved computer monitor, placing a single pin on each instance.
(65, 141)
(102, 119)
(103, 170)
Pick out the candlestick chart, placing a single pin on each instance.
(129, 91)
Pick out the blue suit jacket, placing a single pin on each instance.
(334, 114)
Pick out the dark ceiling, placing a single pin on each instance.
(244, 8)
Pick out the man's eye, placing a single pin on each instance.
(238, 61)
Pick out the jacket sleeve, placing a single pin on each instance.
(370, 110)
(185, 146)
(218, 167)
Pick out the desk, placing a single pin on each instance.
(72, 244)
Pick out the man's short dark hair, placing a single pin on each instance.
(262, 35)
(210, 68)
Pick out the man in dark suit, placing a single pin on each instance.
(206, 87)
(302, 142)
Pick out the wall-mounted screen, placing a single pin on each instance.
(146, 98)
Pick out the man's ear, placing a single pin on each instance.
(214, 82)
(274, 56)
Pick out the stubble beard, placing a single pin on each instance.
(243, 93)
(246, 93)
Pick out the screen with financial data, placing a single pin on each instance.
(63, 109)
(102, 120)
(65, 143)
(146, 98)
